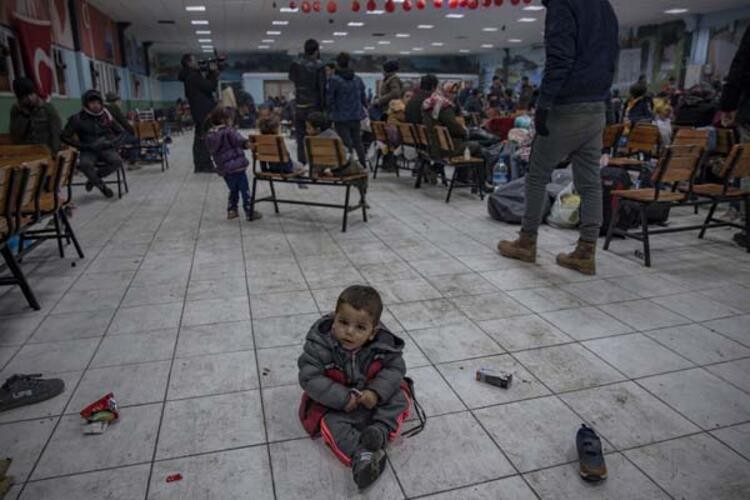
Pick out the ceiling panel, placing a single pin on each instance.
(241, 25)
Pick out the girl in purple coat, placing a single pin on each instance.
(227, 148)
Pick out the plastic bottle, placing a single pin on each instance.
(499, 174)
(467, 154)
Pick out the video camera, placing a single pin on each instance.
(218, 61)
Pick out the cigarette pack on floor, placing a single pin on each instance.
(494, 377)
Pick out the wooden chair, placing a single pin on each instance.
(381, 136)
(725, 140)
(120, 180)
(151, 142)
(447, 151)
(6, 139)
(611, 138)
(408, 136)
(679, 165)
(644, 142)
(55, 200)
(16, 191)
(14, 155)
(736, 166)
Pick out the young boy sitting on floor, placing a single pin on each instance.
(352, 372)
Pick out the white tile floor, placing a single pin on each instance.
(195, 323)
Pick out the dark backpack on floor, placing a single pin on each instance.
(613, 179)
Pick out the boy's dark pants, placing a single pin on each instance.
(341, 430)
(238, 186)
(109, 160)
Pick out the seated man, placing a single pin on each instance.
(97, 135)
(33, 121)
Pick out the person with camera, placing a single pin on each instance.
(309, 80)
(200, 85)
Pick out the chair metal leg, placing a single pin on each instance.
(252, 196)
(709, 217)
(346, 207)
(478, 179)
(363, 202)
(378, 155)
(20, 279)
(450, 188)
(612, 224)
(59, 235)
(419, 168)
(273, 194)
(69, 232)
(125, 180)
(646, 244)
(21, 244)
(747, 220)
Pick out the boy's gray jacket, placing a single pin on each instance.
(323, 355)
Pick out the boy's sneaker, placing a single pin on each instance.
(254, 216)
(374, 437)
(106, 191)
(232, 214)
(21, 390)
(367, 466)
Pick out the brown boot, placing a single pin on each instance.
(582, 259)
(524, 248)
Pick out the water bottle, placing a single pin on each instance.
(467, 154)
(499, 174)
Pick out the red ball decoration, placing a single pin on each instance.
(371, 5)
(498, 2)
(473, 4)
(527, 1)
(355, 6)
(306, 7)
(390, 6)
(407, 5)
(487, 3)
(292, 5)
(316, 5)
(452, 4)
(515, 2)
(438, 4)
(421, 4)
(463, 3)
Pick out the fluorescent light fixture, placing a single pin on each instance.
(490, 29)
(280, 23)
(384, 42)
(198, 21)
(268, 40)
(206, 51)
(359, 52)
(263, 47)
(340, 33)
(486, 45)
(355, 24)
(527, 20)
(287, 10)
(203, 32)
(369, 48)
(375, 12)
(326, 41)
(417, 49)
(534, 8)
(404, 52)
(205, 40)
(454, 16)
(273, 33)
(207, 47)
(675, 11)
(437, 44)
(402, 35)
(464, 51)
(195, 8)
(515, 40)
(425, 26)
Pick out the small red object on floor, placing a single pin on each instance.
(174, 477)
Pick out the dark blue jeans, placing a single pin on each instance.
(238, 186)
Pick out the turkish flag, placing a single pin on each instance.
(36, 41)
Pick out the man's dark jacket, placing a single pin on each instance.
(581, 40)
(413, 111)
(309, 82)
(93, 133)
(736, 93)
(346, 100)
(199, 91)
(40, 125)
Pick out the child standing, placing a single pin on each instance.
(352, 372)
(227, 146)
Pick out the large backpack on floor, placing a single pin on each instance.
(614, 179)
(508, 202)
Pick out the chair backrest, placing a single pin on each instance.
(612, 134)
(270, 148)
(37, 175)
(725, 140)
(378, 130)
(423, 136)
(6, 181)
(644, 138)
(686, 136)
(145, 114)
(66, 166)
(444, 139)
(737, 164)
(679, 164)
(16, 154)
(325, 152)
(147, 130)
(408, 134)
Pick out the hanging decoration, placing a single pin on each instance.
(407, 5)
(306, 7)
(371, 5)
(452, 4)
(316, 5)
(438, 4)
(487, 3)
(390, 6)
(355, 6)
(421, 4)
(331, 6)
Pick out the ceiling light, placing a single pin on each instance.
(384, 42)
(273, 33)
(404, 52)
(417, 49)
(198, 21)
(359, 52)
(326, 41)
(369, 48)
(207, 51)
(402, 35)
(203, 32)
(205, 40)
(527, 20)
(268, 40)
(340, 33)
(489, 29)
(288, 10)
(675, 11)
(355, 24)
(464, 51)
(207, 47)
(437, 44)
(195, 8)
(515, 40)
(486, 45)
(534, 8)
(454, 16)
(375, 12)
(263, 47)
(280, 23)
(425, 27)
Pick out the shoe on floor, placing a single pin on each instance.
(367, 466)
(374, 437)
(106, 191)
(582, 259)
(740, 239)
(523, 248)
(254, 216)
(89, 186)
(21, 390)
(590, 457)
(232, 214)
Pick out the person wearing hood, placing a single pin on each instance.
(33, 121)
(199, 91)
(347, 101)
(309, 79)
(97, 135)
(391, 88)
(352, 372)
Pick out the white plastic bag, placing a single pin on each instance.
(565, 211)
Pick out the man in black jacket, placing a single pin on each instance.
(427, 85)
(309, 89)
(199, 91)
(581, 44)
(97, 135)
(33, 121)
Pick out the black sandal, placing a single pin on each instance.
(590, 456)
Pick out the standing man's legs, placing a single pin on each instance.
(300, 122)
(345, 132)
(201, 156)
(359, 147)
